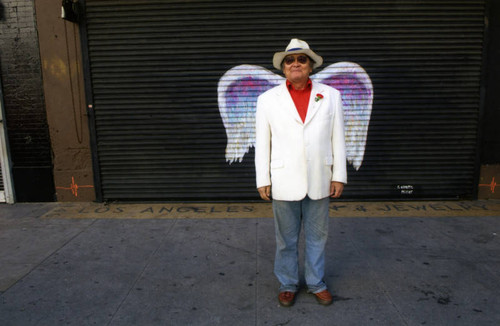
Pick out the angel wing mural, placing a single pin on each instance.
(240, 86)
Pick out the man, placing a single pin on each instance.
(300, 162)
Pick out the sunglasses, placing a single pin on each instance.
(291, 59)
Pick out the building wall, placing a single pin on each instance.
(26, 122)
(46, 115)
(490, 147)
(65, 102)
(44, 98)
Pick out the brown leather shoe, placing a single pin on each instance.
(324, 297)
(286, 299)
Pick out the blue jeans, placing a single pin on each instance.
(288, 218)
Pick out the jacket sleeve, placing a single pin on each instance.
(262, 145)
(338, 143)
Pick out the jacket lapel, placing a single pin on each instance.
(313, 104)
(286, 99)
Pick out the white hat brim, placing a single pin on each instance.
(279, 56)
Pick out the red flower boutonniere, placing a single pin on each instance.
(318, 97)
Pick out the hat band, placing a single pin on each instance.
(294, 49)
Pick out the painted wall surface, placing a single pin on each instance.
(488, 182)
(65, 102)
(25, 116)
(490, 146)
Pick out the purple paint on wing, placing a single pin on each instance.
(348, 84)
(245, 91)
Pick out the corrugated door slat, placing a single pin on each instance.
(155, 66)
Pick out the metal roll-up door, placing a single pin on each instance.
(155, 68)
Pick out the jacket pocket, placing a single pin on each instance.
(276, 164)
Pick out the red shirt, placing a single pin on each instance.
(300, 98)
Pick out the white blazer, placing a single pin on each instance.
(300, 158)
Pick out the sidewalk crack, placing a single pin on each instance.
(140, 275)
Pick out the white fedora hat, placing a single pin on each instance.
(296, 46)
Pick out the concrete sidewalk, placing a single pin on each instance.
(403, 270)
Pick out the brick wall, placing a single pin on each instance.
(25, 114)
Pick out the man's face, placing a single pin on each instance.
(298, 70)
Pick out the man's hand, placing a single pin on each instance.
(265, 192)
(336, 189)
